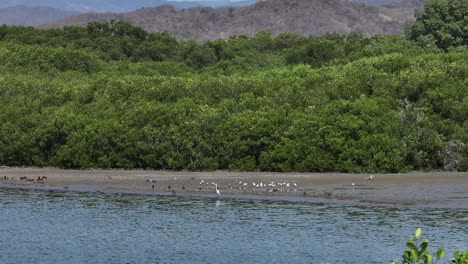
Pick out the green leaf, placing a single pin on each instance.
(418, 232)
(411, 246)
(423, 246)
(414, 255)
(427, 258)
(406, 255)
(440, 253)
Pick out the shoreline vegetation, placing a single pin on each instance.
(110, 95)
(438, 190)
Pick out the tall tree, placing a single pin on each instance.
(442, 24)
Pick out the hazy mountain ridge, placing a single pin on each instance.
(277, 16)
(375, 2)
(100, 6)
(408, 3)
(394, 3)
(203, 23)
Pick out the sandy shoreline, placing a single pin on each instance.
(436, 189)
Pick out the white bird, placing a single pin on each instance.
(352, 184)
(217, 190)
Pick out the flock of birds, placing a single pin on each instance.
(271, 186)
(39, 179)
(244, 185)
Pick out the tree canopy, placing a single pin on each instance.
(442, 24)
(111, 95)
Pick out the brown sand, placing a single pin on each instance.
(449, 190)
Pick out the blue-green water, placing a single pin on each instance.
(71, 227)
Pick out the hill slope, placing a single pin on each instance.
(277, 16)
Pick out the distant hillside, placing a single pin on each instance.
(22, 15)
(277, 16)
(408, 3)
(399, 3)
(374, 2)
(118, 5)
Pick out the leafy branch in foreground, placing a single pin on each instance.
(460, 257)
(419, 254)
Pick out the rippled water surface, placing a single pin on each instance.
(71, 227)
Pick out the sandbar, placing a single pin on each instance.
(421, 189)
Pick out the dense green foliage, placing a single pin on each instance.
(115, 96)
(442, 24)
(460, 257)
(419, 254)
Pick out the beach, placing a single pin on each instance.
(422, 189)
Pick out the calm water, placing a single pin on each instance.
(69, 227)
